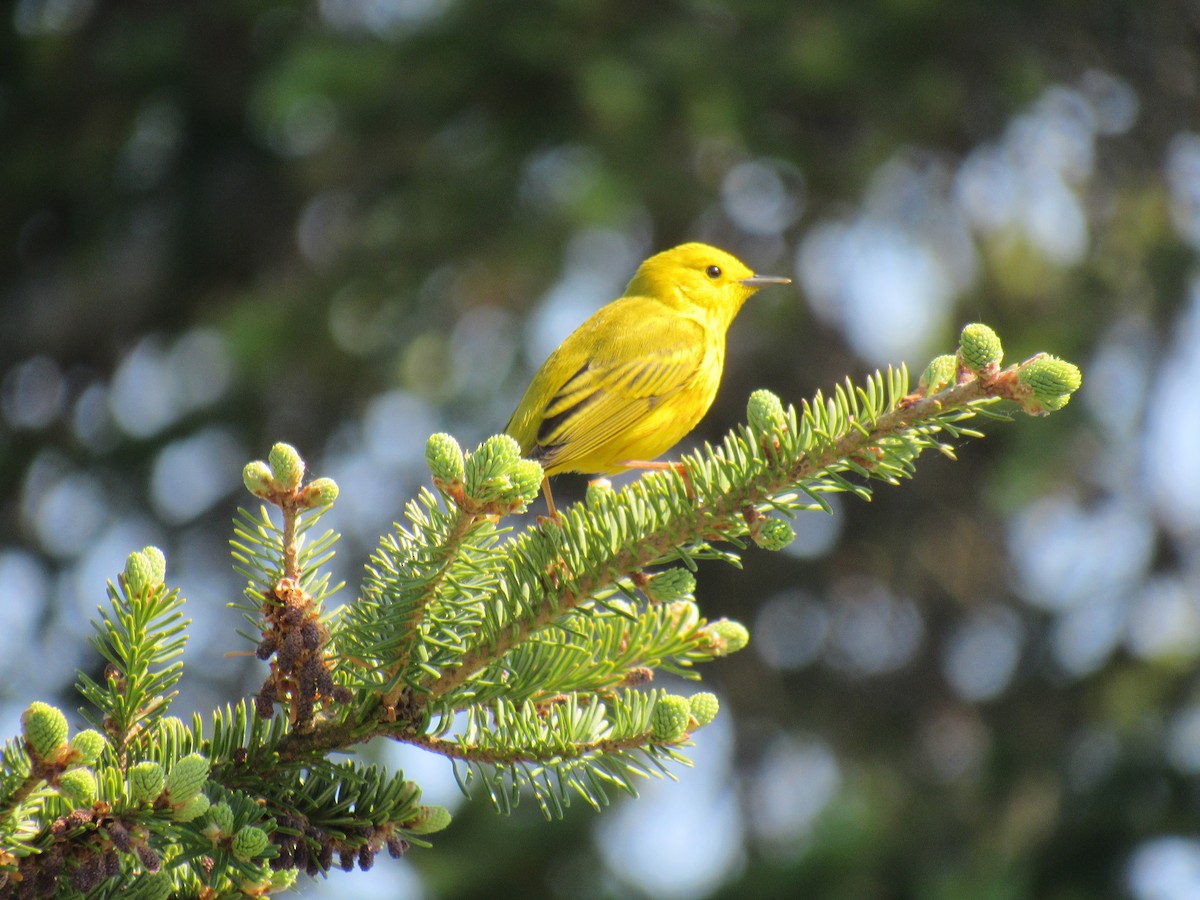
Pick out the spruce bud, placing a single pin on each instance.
(527, 476)
(1051, 382)
(726, 636)
(88, 745)
(45, 729)
(941, 372)
(258, 479)
(671, 585)
(186, 778)
(222, 816)
(430, 819)
(671, 717)
(704, 707)
(286, 466)
(979, 347)
(78, 786)
(195, 807)
(773, 534)
(597, 490)
(249, 842)
(318, 493)
(764, 411)
(445, 458)
(489, 469)
(146, 782)
(145, 570)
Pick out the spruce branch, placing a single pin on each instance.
(286, 588)
(427, 582)
(141, 636)
(479, 744)
(462, 522)
(874, 432)
(577, 747)
(527, 661)
(511, 614)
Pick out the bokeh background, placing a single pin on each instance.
(350, 223)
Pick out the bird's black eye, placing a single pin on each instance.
(713, 272)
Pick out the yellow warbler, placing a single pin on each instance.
(637, 376)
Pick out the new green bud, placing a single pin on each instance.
(764, 411)
(146, 782)
(493, 457)
(445, 458)
(195, 807)
(671, 717)
(321, 492)
(283, 880)
(597, 489)
(1050, 380)
(1052, 404)
(158, 564)
(78, 786)
(980, 347)
(498, 452)
(671, 585)
(258, 479)
(249, 842)
(222, 816)
(429, 820)
(45, 729)
(286, 466)
(145, 570)
(137, 573)
(88, 745)
(489, 469)
(773, 534)
(527, 476)
(704, 707)
(941, 372)
(186, 778)
(727, 636)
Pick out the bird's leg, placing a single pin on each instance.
(554, 516)
(659, 466)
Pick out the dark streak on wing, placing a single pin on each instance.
(566, 386)
(551, 424)
(545, 454)
(642, 374)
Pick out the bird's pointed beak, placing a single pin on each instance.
(757, 281)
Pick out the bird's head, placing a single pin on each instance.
(697, 276)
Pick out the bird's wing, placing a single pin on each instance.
(626, 374)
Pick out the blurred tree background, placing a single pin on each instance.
(350, 223)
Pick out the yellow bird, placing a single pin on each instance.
(629, 383)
